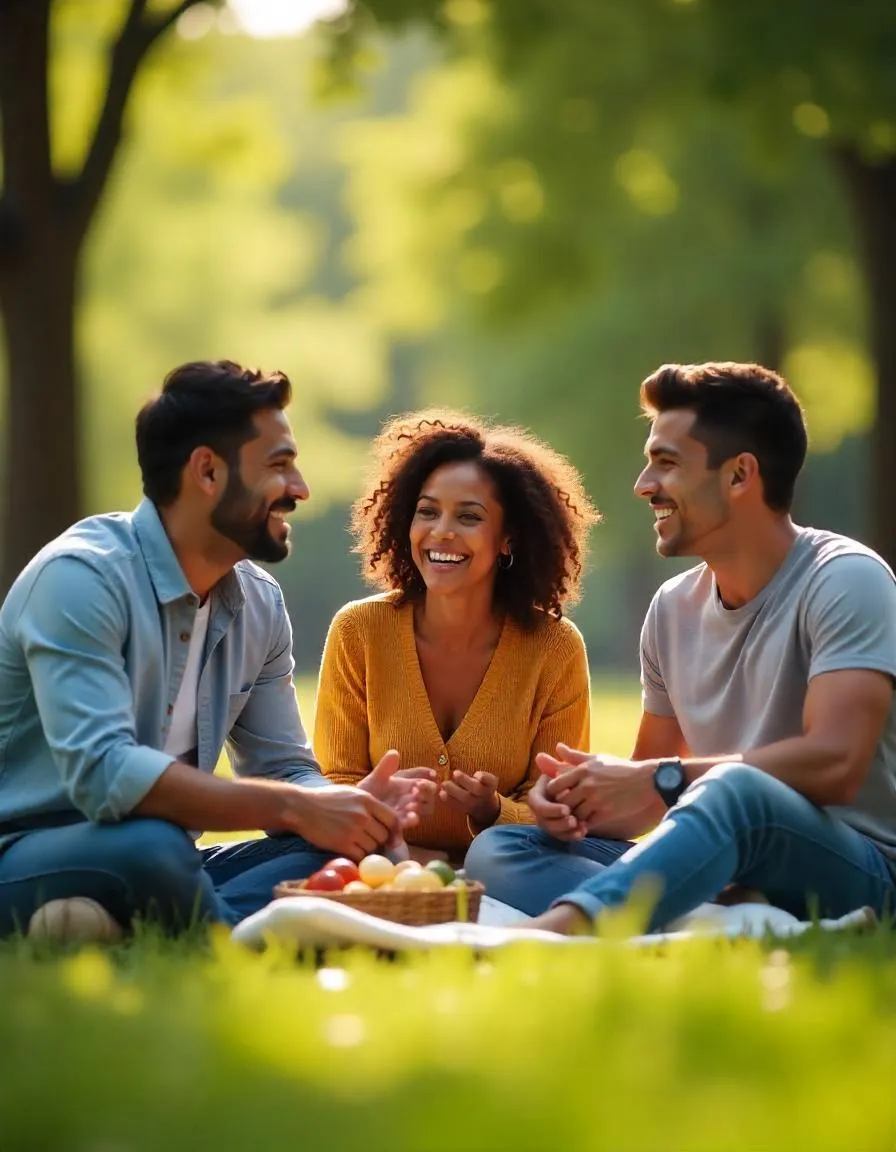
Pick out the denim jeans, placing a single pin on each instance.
(149, 868)
(733, 824)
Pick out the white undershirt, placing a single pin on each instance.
(182, 735)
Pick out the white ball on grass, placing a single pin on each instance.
(77, 919)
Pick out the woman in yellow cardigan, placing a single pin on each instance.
(465, 664)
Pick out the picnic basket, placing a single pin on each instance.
(401, 907)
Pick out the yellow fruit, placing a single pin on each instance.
(376, 870)
(417, 880)
(357, 886)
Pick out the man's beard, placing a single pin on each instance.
(246, 525)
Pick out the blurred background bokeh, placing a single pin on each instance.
(521, 207)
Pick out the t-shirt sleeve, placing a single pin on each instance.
(850, 616)
(654, 697)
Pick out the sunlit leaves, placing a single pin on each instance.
(196, 255)
(414, 197)
(81, 34)
(835, 381)
(647, 182)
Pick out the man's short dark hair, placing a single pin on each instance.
(202, 404)
(739, 408)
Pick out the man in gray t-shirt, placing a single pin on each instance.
(766, 753)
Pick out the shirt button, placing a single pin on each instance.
(443, 760)
(184, 636)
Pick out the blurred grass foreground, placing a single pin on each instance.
(703, 1046)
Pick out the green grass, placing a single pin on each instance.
(703, 1047)
(196, 1044)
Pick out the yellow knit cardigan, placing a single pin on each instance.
(371, 697)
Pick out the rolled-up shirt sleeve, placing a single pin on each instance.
(268, 738)
(73, 629)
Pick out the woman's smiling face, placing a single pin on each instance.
(457, 532)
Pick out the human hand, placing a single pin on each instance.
(411, 792)
(344, 820)
(476, 796)
(604, 793)
(552, 817)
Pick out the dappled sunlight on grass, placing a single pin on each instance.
(533, 1048)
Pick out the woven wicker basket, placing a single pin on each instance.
(413, 908)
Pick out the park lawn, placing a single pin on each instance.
(197, 1044)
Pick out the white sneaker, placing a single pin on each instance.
(75, 920)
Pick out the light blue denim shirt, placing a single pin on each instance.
(94, 636)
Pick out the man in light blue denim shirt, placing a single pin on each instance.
(133, 648)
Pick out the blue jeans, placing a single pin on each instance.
(735, 824)
(148, 868)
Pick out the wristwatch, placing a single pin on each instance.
(669, 780)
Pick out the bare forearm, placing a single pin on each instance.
(193, 799)
(817, 771)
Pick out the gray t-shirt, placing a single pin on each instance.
(736, 679)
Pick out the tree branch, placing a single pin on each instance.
(136, 38)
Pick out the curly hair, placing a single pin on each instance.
(547, 512)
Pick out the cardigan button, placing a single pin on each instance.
(443, 759)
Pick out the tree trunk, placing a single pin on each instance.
(872, 193)
(43, 222)
(40, 238)
(41, 454)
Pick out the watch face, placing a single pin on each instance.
(668, 775)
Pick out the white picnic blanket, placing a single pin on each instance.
(305, 921)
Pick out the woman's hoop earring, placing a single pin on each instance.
(505, 561)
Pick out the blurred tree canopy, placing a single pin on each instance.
(654, 180)
(520, 207)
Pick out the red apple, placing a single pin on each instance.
(326, 880)
(346, 868)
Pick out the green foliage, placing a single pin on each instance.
(217, 239)
(616, 186)
(689, 1048)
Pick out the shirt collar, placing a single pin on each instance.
(167, 576)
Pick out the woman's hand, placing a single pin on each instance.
(476, 796)
(411, 792)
